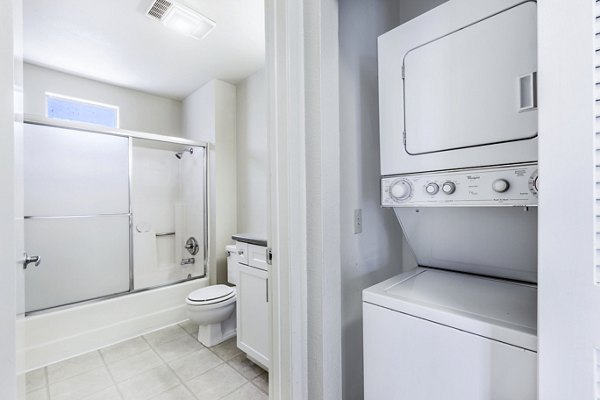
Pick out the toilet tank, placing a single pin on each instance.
(233, 269)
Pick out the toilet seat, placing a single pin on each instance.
(210, 295)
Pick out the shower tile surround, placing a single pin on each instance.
(162, 365)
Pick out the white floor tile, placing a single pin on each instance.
(177, 393)
(124, 349)
(74, 366)
(195, 364)
(244, 366)
(129, 367)
(178, 348)
(148, 384)
(190, 327)
(247, 392)
(80, 386)
(35, 379)
(262, 382)
(110, 393)
(40, 394)
(165, 335)
(227, 350)
(216, 383)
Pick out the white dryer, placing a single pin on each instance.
(457, 87)
(458, 132)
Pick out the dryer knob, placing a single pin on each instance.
(400, 190)
(449, 187)
(500, 185)
(432, 188)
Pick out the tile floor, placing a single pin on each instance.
(169, 364)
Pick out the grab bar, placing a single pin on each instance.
(164, 234)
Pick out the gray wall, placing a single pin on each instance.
(375, 254)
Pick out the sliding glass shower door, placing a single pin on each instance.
(109, 214)
(77, 215)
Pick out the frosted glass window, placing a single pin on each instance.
(70, 109)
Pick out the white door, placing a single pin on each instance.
(253, 314)
(569, 207)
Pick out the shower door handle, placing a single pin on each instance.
(31, 259)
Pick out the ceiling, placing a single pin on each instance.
(113, 41)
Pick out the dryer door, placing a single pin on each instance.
(473, 87)
(457, 88)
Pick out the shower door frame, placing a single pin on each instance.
(130, 135)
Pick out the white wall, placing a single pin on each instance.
(252, 155)
(226, 166)
(138, 111)
(198, 114)
(209, 115)
(375, 254)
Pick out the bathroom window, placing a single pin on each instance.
(72, 109)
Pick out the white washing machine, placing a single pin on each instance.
(433, 334)
(458, 131)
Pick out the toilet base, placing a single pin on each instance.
(213, 334)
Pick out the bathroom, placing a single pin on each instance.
(145, 150)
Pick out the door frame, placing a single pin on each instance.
(304, 181)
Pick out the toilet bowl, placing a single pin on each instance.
(213, 309)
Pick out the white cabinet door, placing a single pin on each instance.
(253, 314)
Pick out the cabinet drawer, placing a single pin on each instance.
(257, 257)
(242, 252)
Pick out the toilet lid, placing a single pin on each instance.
(211, 293)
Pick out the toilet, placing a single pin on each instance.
(213, 307)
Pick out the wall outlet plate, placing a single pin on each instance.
(357, 221)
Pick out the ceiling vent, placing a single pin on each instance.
(181, 18)
(158, 9)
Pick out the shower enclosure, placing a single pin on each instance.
(110, 212)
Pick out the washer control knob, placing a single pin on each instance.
(432, 188)
(500, 185)
(449, 187)
(400, 190)
(534, 183)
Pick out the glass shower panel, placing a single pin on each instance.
(168, 212)
(69, 172)
(77, 218)
(82, 258)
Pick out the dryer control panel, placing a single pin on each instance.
(515, 185)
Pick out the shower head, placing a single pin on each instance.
(180, 153)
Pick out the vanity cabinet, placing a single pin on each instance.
(253, 336)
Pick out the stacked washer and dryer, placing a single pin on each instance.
(458, 120)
